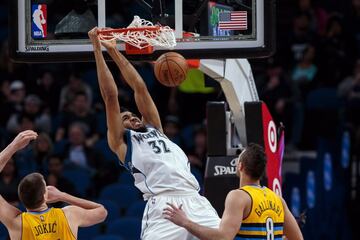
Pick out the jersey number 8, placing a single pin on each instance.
(270, 229)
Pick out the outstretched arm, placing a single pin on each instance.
(19, 142)
(8, 212)
(291, 227)
(109, 93)
(230, 223)
(143, 99)
(81, 212)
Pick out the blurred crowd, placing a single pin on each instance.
(316, 67)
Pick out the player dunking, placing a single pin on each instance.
(39, 19)
(160, 168)
(251, 212)
(41, 222)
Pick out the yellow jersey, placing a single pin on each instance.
(266, 217)
(50, 224)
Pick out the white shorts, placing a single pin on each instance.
(196, 207)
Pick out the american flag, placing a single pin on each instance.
(235, 20)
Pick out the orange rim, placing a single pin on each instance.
(193, 63)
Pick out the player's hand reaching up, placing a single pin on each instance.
(175, 214)
(108, 44)
(93, 35)
(23, 139)
(54, 194)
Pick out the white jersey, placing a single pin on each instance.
(157, 164)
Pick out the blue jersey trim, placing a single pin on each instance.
(146, 183)
(259, 229)
(41, 212)
(127, 163)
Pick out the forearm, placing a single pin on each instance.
(204, 233)
(6, 154)
(86, 204)
(106, 81)
(128, 71)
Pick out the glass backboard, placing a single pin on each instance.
(56, 30)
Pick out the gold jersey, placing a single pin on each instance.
(266, 217)
(50, 224)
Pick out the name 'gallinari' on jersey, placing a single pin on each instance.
(268, 205)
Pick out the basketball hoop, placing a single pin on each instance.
(141, 36)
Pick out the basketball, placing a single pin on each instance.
(171, 69)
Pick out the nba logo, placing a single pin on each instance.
(39, 21)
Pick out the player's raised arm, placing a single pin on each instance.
(7, 211)
(230, 222)
(81, 212)
(291, 227)
(144, 102)
(109, 93)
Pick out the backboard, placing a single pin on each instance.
(56, 30)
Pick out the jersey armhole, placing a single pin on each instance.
(127, 139)
(153, 127)
(244, 218)
(68, 224)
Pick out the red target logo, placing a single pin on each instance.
(272, 138)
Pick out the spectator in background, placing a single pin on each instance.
(300, 37)
(69, 91)
(278, 95)
(42, 149)
(197, 155)
(332, 53)
(76, 151)
(55, 175)
(5, 96)
(318, 15)
(18, 93)
(4, 90)
(172, 129)
(34, 157)
(9, 181)
(26, 122)
(305, 70)
(353, 27)
(48, 91)
(284, 100)
(79, 112)
(33, 109)
(349, 91)
(13, 102)
(79, 155)
(346, 85)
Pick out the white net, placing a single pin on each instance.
(155, 35)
